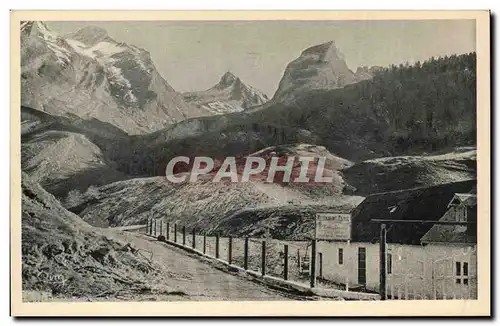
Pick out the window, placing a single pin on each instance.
(461, 214)
(341, 256)
(462, 273)
(361, 265)
(389, 263)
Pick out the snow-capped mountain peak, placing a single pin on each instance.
(36, 31)
(89, 35)
(91, 75)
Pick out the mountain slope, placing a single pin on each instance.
(64, 154)
(64, 258)
(229, 95)
(90, 75)
(407, 110)
(406, 172)
(205, 203)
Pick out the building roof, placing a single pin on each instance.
(429, 204)
(455, 233)
(469, 200)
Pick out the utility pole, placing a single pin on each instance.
(383, 264)
(313, 253)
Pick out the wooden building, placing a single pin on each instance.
(424, 261)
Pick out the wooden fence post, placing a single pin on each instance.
(263, 267)
(183, 235)
(194, 238)
(313, 263)
(154, 227)
(217, 245)
(168, 231)
(149, 226)
(204, 243)
(320, 256)
(245, 254)
(230, 251)
(161, 227)
(285, 263)
(298, 259)
(383, 264)
(175, 232)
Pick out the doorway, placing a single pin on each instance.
(362, 265)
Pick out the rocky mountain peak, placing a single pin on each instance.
(228, 79)
(325, 52)
(230, 94)
(89, 35)
(99, 78)
(319, 67)
(36, 29)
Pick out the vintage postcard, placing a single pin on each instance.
(250, 163)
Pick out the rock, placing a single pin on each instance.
(52, 250)
(100, 254)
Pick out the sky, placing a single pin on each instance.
(193, 55)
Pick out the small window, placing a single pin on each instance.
(462, 273)
(341, 256)
(389, 263)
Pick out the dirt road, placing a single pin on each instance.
(197, 279)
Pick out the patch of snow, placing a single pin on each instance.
(117, 77)
(45, 33)
(102, 51)
(395, 160)
(218, 107)
(77, 45)
(63, 55)
(131, 97)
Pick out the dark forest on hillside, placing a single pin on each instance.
(414, 109)
(404, 109)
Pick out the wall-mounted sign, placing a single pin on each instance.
(333, 226)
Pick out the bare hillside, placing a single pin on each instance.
(196, 204)
(405, 172)
(285, 222)
(65, 257)
(62, 154)
(204, 203)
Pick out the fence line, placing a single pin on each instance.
(335, 265)
(238, 251)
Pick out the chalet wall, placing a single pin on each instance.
(417, 271)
